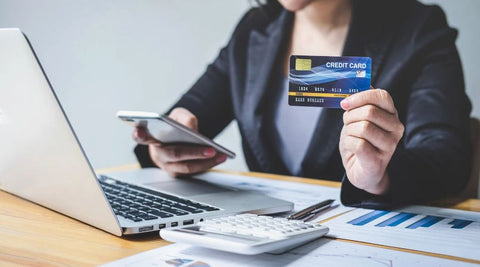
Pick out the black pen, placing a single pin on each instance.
(312, 210)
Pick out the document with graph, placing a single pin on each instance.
(424, 229)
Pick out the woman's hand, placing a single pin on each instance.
(370, 135)
(179, 159)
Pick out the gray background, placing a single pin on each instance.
(103, 56)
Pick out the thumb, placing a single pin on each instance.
(143, 137)
(185, 117)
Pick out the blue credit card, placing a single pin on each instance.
(325, 81)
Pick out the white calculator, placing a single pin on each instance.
(246, 234)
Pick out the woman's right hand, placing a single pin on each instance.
(179, 160)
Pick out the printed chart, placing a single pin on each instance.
(457, 237)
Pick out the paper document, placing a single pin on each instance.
(322, 252)
(426, 230)
(301, 194)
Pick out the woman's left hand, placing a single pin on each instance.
(370, 135)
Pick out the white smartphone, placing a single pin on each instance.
(169, 131)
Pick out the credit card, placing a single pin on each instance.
(325, 81)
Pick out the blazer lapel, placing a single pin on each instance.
(263, 51)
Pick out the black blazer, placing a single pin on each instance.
(413, 57)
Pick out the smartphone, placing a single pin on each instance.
(168, 131)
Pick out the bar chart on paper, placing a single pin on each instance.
(458, 237)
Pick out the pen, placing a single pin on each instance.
(312, 210)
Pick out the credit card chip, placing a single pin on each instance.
(303, 64)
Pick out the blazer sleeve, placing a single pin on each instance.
(433, 159)
(209, 98)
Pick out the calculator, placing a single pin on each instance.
(247, 234)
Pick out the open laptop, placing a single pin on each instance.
(42, 160)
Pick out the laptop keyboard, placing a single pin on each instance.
(141, 204)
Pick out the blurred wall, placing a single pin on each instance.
(103, 56)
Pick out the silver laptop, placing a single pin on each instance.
(42, 160)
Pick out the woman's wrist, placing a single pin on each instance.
(382, 187)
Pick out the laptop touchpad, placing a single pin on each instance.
(187, 187)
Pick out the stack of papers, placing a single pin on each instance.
(323, 252)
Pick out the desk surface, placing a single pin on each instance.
(33, 235)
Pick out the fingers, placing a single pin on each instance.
(376, 97)
(141, 136)
(372, 116)
(184, 117)
(193, 166)
(377, 137)
(184, 159)
(363, 150)
(383, 119)
(176, 153)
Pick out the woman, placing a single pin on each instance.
(406, 142)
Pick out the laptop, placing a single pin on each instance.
(42, 160)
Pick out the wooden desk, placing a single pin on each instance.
(33, 235)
